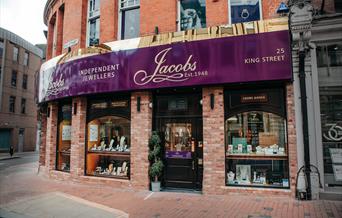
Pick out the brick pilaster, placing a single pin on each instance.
(141, 127)
(213, 141)
(42, 146)
(77, 155)
(51, 136)
(291, 135)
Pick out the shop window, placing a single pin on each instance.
(14, 78)
(252, 135)
(94, 22)
(192, 14)
(15, 53)
(26, 59)
(245, 10)
(24, 85)
(12, 104)
(130, 18)
(108, 139)
(64, 137)
(256, 142)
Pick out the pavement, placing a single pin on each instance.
(24, 193)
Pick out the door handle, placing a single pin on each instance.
(193, 165)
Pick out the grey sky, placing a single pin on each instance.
(24, 18)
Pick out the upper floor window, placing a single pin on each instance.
(26, 58)
(23, 105)
(25, 81)
(94, 22)
(1, 48)
(245, 10)
(329, 55)
(12, 104)
(130, 18)
(192, 14)
(15, 53)
(14, 78)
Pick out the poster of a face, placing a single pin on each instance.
(244, 10)
(192, 14)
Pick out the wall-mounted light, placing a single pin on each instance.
(282, 9)
(156, 30)
(48, 112)
(201, 102)
(150, 105)
(212, 101)
(138, 103)
(75, 108)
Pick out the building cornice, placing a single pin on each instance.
(47, 8)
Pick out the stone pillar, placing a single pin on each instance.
(78, 130)
(291, 136)
(42, 145)
(213, 141)
(141, 127)
(51, 136)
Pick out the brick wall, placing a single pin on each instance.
(108, 20)
(213, 141)
(291, 136)
(78, 130)
(141, 127)
(216, 12)
(162, 14)
(42, 146)
(51, 136)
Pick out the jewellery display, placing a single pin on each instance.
(109, 155)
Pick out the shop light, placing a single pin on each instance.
(138, 103)
(212, 101)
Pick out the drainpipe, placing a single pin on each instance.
(305, 120)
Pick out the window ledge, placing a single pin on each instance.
(287, 190)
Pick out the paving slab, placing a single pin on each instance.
(57, 205)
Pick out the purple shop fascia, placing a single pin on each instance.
(239, 59)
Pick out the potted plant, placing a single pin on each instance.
(154, 156)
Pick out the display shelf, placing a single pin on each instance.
(257, 185)
(257, 156)
(109, 176)
(64, 153)
(111, 153)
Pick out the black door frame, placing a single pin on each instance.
(192, 114)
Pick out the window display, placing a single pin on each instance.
(256, 150)
(256, 133)
(64, 138)
(192, 14)
(256, 138)
(108, 140)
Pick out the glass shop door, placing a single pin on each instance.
(178, 121)
(182, 139)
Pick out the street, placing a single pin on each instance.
(24, 193)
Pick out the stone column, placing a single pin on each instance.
(213, 141)
(51, 136)
(78, 131)
(141, 127)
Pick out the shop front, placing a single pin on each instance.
(222, 107)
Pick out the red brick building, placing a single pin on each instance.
(225, 116)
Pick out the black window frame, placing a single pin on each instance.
(14, 78)
(11, 105)
(23, 106)
(25, 80)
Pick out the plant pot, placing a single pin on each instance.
(155, 186)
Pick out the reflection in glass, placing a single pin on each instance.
(178, 137)
(94, 31)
